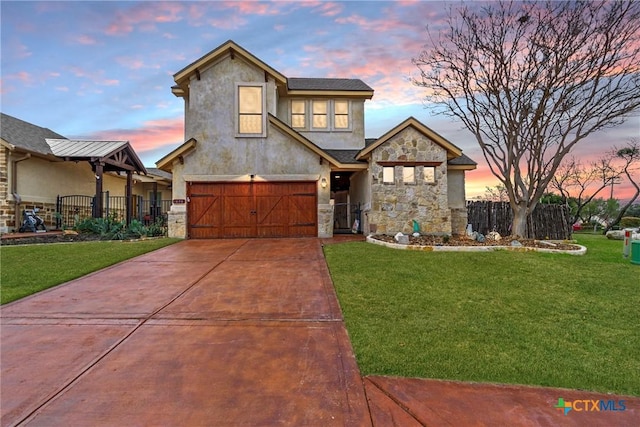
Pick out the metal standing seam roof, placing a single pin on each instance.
(300, 83)
(83, 148)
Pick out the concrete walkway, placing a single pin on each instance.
(227, 333)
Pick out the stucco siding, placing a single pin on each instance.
(456, 193)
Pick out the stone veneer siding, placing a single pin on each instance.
(395, 206)
(458, 221)
(6, 206)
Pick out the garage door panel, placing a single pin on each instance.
(261, 209)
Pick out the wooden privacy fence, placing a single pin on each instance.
(546, 221)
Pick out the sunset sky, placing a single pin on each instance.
(103, 70)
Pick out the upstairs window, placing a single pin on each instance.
(320, 110)
(341, 114)
(298, 119)
(251, 106)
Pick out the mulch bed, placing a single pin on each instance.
(465, 241)
(31, 238)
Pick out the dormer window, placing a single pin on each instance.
(251, 105)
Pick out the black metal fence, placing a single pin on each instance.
(73, 208)
(546, 221)
(347, 218)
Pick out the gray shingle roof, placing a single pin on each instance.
(160, 173)
(462, 160)
(25, 135)
(298, 83)
(344, 156)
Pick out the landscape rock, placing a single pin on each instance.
(403, 239)
(480, 238)
(494, 235)
(516, 244)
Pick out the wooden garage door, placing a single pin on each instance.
(258, 209)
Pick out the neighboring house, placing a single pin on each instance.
(267, 155)
(37, 165)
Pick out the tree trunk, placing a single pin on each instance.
(519, 223)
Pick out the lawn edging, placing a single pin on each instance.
(443, 248)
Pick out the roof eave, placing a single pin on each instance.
(462, 167)
(166, 162)
(229, 47)
(452, 150)
(283, 127)
(333, 93)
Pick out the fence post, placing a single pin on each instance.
(58, 212)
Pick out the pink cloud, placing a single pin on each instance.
(131, 63)
(228, 22)
(330, 8)
(152, 134)
(253, 7)
(17, 50)
(85, 40)
(144, 16)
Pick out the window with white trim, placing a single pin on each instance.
(388, 174)
(298, 114)
(341, 114)
(320, 110)
(251, 105)
(429, 174)
(409, 174)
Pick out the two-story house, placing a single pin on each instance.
(272, 156)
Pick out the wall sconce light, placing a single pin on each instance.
(323, 182)
(252, 176)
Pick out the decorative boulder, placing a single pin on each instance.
(403, 239)
(494, 235)
(516, 244)
(480, 238)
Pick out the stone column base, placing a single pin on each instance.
(177, 222)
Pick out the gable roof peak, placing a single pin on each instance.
(230, 47)
(452, 150)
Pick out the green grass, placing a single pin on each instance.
(523, 318)
(28, 269)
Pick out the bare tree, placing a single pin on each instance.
(530, 80)
(573, 179)
(496, 194)
(630, 157)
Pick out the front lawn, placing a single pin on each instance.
(28, 269)
(524, 318)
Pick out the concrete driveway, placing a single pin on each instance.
(225, 332)
(228, 333)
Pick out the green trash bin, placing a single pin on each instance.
(635, 252)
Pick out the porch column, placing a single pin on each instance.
(129, 195)
(97, 205)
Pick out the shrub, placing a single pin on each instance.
(630, 222)
(111, 229)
